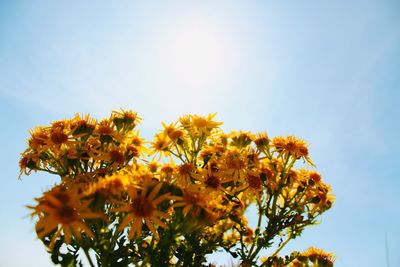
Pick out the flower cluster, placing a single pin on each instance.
(175, 200)
(83, 146)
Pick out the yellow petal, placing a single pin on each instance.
(155, 191)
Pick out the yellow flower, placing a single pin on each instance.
(166, 172)
(168, 129)
(212, 180)
(235, 165)
(199, 125)
(105, 128)
(173, 132)
(193, 201)
(213, 150)
(117, 156)
(231, 237)
(125, 120)
(263, 259)
(134, 145)
(241, 139)
(82, 125)
(185, 171)
(297, 263)
(326, 198)
(177, 136)
(160, 145)
(152, 166)
(292, 146)
(315, 177)
(60, 133)
(319, 256)
(261, 140)
(63, 211)
(28, 162)
(113, 155)
(111, 185)
(39, 140)
(143, 209)
(58, 137)
(252, 186)
(204, 124)
(254, 181)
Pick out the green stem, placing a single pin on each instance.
(282, 245)
(47, 170)
(185, 153)
(179, 154)
(277, 251)
(57, 162)
(258, 226)
(88, 257)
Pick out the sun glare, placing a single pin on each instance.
(196, 52)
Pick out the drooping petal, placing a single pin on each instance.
(85, 229)
(125, 222)
(48, 227)
(54, 238)
(136, 229)
(161, 198)
(67, 235)
(77, 234)
(151, 227)
(155, 191)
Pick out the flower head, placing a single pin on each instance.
(143, 208)
(292, 146)
(63, 211)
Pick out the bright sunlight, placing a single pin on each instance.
(196, 52)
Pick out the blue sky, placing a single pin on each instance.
(326, 71)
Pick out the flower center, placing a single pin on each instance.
(58, 137)
(186, 169)
(167, 169)
(66, 214)
(161, 145)
(117, 156)
(213, 182)
(178, 134)
(141, 207)
(315, 177)
(105, 129)
(116, 183)
(254, 182)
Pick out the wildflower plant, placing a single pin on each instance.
(121, 200)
